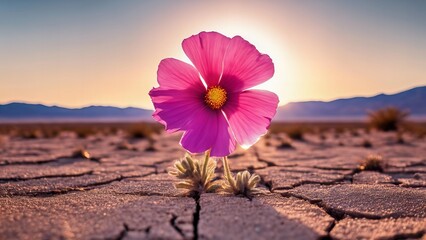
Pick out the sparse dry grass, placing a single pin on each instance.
(285, 145)
(81, 153)
(367, 144)
(316, 127)
(34, 134)
(296, 133)
(418, 129)
(84, 132)
(141, 131)
(125, 145)
(372, 163)
(81, 130)
(387, 119)
(148, 131)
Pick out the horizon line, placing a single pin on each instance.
(124, 107)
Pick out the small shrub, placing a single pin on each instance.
(387, 119)
(81, 153)
(84, 132)
(52, 133)
(244, 183)
(196, 176)
(372, 163)
(34, 134)
(141, 131)
(367, 144)
(125, 145)
(295, 133)
(355, 133)
(339, 130)
(285, 145)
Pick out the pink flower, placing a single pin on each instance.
(218, 112)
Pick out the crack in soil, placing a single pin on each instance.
(335, 213)
(61, 159)
(8, 163)
(337, 181)
(175, 226)
(40, 162)
(66, 190)
(123, 232)
(127, 229)
(268, 163)
(196, 216)
(146, 194)
(329, 229)
(271, 188)
(18, 179)
(403, 236)
(336, 216)
(267, 184)
(332, 168)
(78, 188)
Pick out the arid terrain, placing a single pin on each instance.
(110, 181)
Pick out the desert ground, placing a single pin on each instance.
(110, 181)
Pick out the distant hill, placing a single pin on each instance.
(30, 112)
(413, 101)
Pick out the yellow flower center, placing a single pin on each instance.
(215, 97)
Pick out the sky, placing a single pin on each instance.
(102, 52)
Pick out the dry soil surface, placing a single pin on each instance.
(312, 189)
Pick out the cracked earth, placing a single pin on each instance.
(313, 189)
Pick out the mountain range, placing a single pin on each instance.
(413, 101)
(37, 112)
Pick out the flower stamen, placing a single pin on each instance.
(215, 97)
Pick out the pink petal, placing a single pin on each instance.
(206, 51)
(202, 135)
(177, 108)
(180, 95)
(244, 66)
(225, 142)
(210, 131)
(249, 114)
(175, 74)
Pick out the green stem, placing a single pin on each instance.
(227, 172)
(206, 161)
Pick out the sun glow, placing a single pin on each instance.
(265, 40)
(114, 49)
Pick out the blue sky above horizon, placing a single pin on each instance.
(79, 53)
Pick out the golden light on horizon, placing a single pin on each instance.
(266, 41)
(107, 54)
